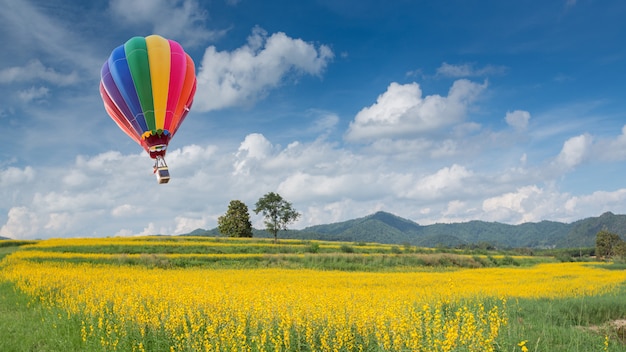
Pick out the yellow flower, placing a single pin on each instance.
(120, 306)
(522, 345)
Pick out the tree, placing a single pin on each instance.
(236, 221)
(278, 213)
(606, 244)
(620, 250)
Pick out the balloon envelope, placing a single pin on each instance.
(147, 86)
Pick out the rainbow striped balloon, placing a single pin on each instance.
(147, 86)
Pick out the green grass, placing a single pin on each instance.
(572, 324)
(4, 251)
(292, 254)
(15, 243)
(27, 326)
(23, 325)
(346, 261)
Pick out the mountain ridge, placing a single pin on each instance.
(384, 227)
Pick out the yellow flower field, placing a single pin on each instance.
(281, 309)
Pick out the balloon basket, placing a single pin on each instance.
(161, 170)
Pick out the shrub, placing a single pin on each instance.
(313, 247)
(346, 248)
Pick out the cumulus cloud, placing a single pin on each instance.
(443, 183)
(597, 202)
(13, 176)
(302, 186)
(246, 74)
(21, 223)
(511, 204)
(254, 148)
(517, 119)
(116, 194)
(574, 151)
(401, 111)
(187, 224)
(529, 203)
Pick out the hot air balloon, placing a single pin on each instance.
(147, 86)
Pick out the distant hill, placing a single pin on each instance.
(4, 238)
(383, 227)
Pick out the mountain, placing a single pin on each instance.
(544, 234)
(379, 227)
(383, 227)
(388, 228)
(584, 231)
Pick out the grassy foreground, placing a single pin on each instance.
(451, 301)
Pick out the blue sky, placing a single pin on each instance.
(437, 111)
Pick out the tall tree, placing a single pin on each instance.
(606, 244)
(236, 221)
(278, 213)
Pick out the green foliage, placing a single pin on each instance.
(620, 249)
(347, 248)
(608, 244)
(15, 243)
(314, 247)
(236, 221)
(278, 213)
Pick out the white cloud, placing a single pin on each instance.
(33, 94)
(255, 147)
(245, 75)
(150, 230)
(13, 176)
(530, 203)
(116, 194)
(302, 186)
(574, 151)
(446, 182)
(21, 223)
(186, 224)
(325, 122)
(182, 20)
(402, 112)
(468, 70)
(127, 210)
(32, 31)
(517, 119)
(509, 205)
(612, 149)
(59, 222)
(597, 202)
(36, 71)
